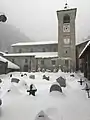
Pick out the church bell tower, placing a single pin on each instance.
(66, 38)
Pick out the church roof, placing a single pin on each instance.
(64, 10)
(35, 43)
(84, 49)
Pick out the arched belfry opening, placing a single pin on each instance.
(66, 19)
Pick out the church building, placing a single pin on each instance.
(49, 54)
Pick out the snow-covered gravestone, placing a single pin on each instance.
(25, 74)
(0, 102)
(21, 75)
(10, 75)
(45, 77)
(55, 70)
(42, 116)
(39, 69)
(0, 81)
(3, 18)
(61, 81)
(32, 76)
(15, 80)
(72, 75)
(43, 70)
(32, 90)
(81, 81)
(55, 87)
(23, 84)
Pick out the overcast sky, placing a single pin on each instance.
(38, 18)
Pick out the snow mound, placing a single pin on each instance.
(14, 87)
(22, 86)
(51, 111)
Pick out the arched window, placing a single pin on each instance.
(42, 62)
(66, 62)
(43, 49)
(53, 62)
(66, 51)
(31, 49)
(55, 50)
(26, 60)
(13, 60)
(66, 19)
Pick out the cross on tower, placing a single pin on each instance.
(66, 5)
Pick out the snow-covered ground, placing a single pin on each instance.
(72, 104)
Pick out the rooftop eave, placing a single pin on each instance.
(64, 10)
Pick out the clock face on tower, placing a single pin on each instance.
(66, 27)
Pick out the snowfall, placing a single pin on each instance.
(72, 104)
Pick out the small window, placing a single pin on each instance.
(66, 51)
(55, 50)
(26, 60)
(13, 60)
(66, 19)
(66, 62)
(30, 62)
(43, 49)
(31, 49)
(53, 62)
(20, 50)
(42, 62)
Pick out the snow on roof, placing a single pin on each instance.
(2, 52)
(84, 49)
(86, 40)
(10, 64)
(36, 54)
(62, 58)
(19, 54)
(35, 43)
(65, 58)
(46, 55)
